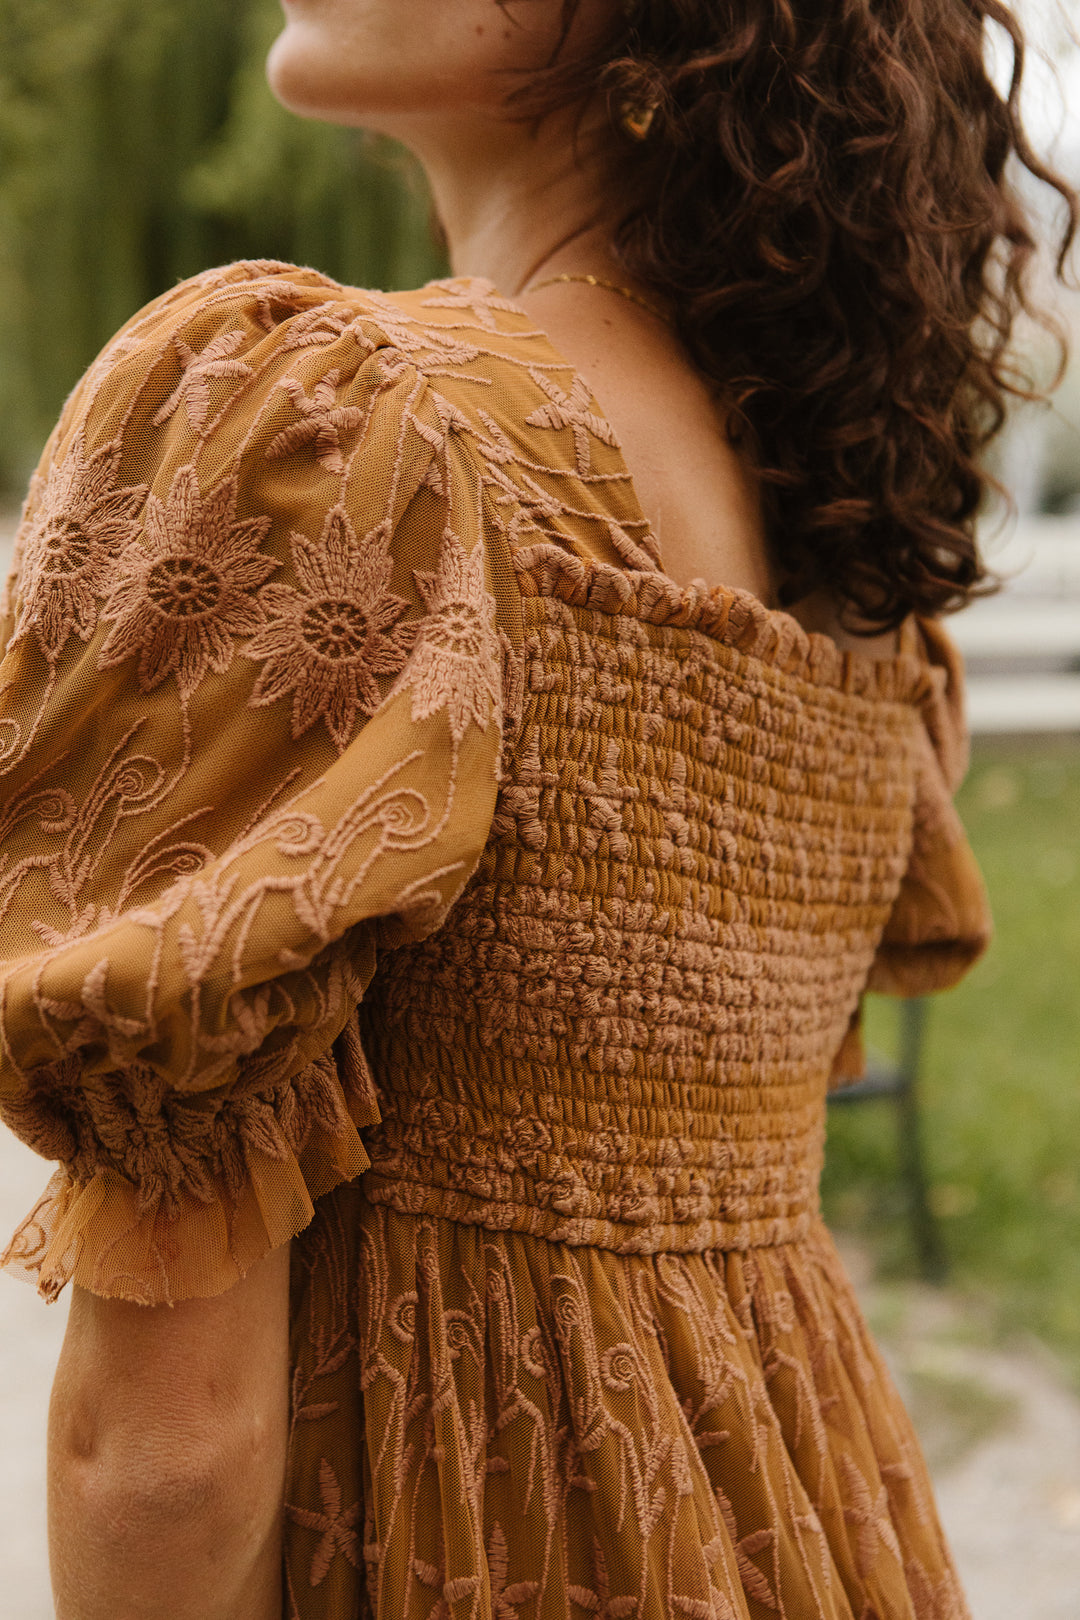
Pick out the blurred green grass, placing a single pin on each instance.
(1001, 1075)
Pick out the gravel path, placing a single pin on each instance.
(1001, 1429)
(1012, 1508)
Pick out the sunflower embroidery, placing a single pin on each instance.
(190, 588)
(456, 664)
(69, 555)
(326, 642)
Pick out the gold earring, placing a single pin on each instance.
(636, 118)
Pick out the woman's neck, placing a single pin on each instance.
(515, 201)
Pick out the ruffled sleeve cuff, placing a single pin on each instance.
(938, 929)
(192, 1232)
(940, 923)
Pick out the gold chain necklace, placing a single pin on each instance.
(611, 286)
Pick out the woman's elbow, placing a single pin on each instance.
(213, 1464)
(162, 1520)
(133, 1488)
(168, 1433)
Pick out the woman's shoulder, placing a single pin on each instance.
(272, 300)
(262, 362)
(452, 324)
(258, 408)
(208, 343)
(266, 360)
(213, 365)
(290, 392)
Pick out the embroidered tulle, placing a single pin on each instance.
(439, 884)
(502, 1425)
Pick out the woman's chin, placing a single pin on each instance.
(368, 80)
(302, 78)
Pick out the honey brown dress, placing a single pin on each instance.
(393, 857)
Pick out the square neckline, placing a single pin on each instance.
(784, 623)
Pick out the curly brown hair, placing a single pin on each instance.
(827, 197)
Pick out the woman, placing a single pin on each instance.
(440, 878)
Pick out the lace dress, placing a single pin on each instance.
(394, 858)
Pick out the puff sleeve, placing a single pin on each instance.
(940, 922)
(250, 731)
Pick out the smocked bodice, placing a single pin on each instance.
(623, 1032)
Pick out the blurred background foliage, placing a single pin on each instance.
(138, 145)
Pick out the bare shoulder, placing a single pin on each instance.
(698, 492)
(821, 612)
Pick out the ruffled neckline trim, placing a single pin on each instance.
(732, 617)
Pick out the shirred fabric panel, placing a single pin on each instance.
(621, 1035)
(251, 724)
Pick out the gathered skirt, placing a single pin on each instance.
(494, 1425)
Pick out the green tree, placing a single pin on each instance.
(139, 144)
